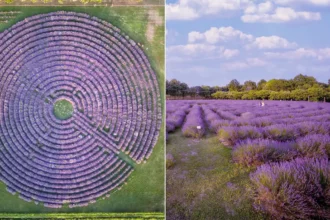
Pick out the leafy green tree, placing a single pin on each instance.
(279, 85)
(224, 89)
(282, 95)
(220, 95)
(263, 94)
(299, 95)
(301, 87)
(183, 88)
(234, 85)
(215, 89)
(176, 88)
(172, 87)
(316, 94)
(195, 91)
(235, 95)
(206, 91)
(249, 85)
(261, 84)
(303, 81)
(250, 95)
(285, 95)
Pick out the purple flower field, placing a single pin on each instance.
(115, 109)
(285, 143)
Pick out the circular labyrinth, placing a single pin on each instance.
(110, 106)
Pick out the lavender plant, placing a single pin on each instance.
(260, 151)
(314, 145)
(194, 125)
(298, 189)
(281, 132)
(229, 136)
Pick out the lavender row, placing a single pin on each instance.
(116, 99)
(194, 125)
(229, 136)
(177, 118)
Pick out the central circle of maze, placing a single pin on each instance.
(63, 109)
(87, 61)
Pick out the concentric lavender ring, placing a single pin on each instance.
(116, 99)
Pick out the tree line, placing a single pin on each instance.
(300, 88)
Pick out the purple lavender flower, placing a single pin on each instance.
(229, 136)
(298, 189)
(281, 132)
(260, 151)
(194, 125)
(315, 145)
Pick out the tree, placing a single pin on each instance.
(262, 94)
(279, 85)
(220, 95)
(183, 88)
(235, 95)
(316, 94)
(299, 95)
(215, 89)
(234, 85)
(261, 84)
(301, 87)
(249, 85)
(172, 87)
(195, 91)
(304, 82)
(282, 95)
(206, 91)
(176, 88)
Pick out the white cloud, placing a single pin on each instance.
(180, 12)
(191, 49)
(240, 65)
(310, 2)
(271, 42)
(301, 53)
(261, 8)
(192, 9)
(226, 34)
(228, 53)
(266, 11)
(256, 62)
(201, 51)
(215, 35)
(280, 15)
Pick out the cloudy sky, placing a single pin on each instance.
(210, 42)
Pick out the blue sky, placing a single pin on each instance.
(210, 42)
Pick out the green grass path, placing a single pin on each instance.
(204, 183)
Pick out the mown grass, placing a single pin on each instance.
(85, 216)
(63, 109)
(204, 183)
(145, 189)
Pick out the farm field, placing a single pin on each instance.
(138, 177)
(247, 159)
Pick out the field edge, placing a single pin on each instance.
(142, 215)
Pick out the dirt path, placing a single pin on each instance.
(155, 20)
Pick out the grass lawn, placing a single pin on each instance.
(204, 183)
(145, 189)
(63, 109)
